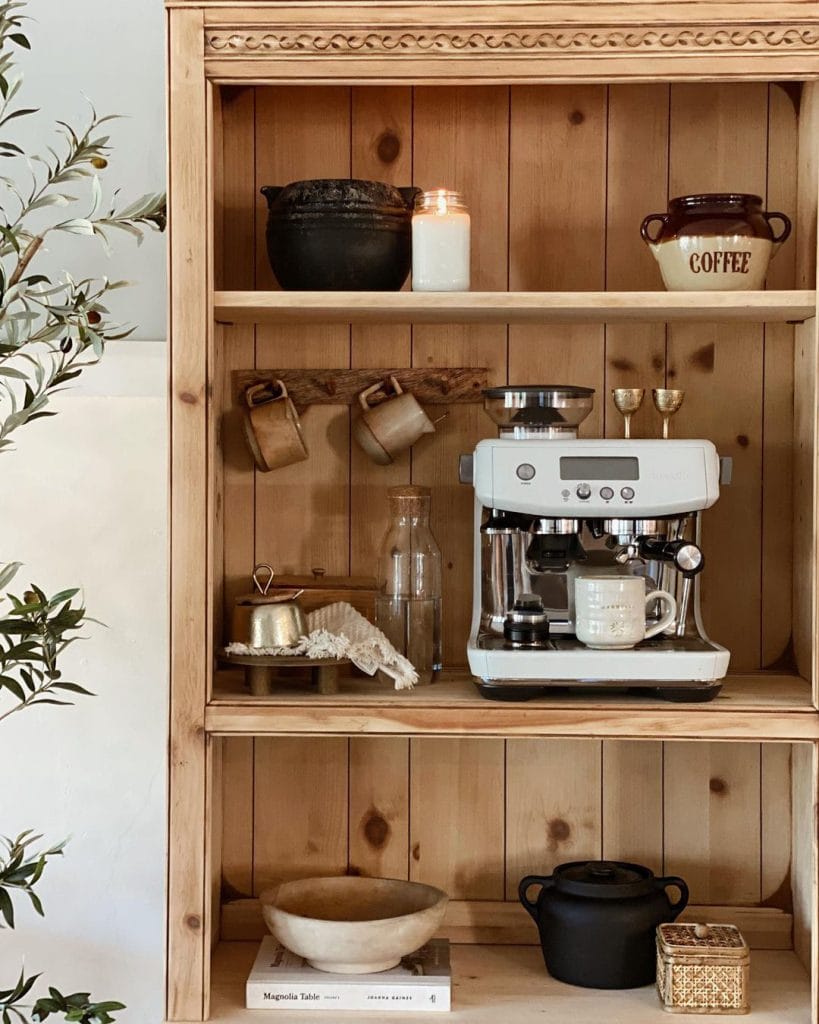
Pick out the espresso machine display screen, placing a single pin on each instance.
(587, 468)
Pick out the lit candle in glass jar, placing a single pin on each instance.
(440, 242)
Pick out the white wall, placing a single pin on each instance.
(83, 502)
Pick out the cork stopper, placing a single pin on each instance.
(408, 500)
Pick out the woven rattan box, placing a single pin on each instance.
(702, 968)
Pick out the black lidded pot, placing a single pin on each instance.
(339, 234)
(597, 921)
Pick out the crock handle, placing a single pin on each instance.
(673, 880)
(545, 882)
(786, 226)
(661, 217)
(271, 193)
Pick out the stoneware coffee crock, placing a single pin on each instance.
(714, 241)
(597, 921)
(338, 234)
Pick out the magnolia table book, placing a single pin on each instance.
(282, 980)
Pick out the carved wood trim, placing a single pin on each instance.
(250, 41)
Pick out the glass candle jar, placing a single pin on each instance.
(440, 242)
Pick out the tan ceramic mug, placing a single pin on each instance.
(272, 426)
(390, 427)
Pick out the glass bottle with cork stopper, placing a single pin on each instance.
(408, 605)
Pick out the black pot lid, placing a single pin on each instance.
(604, 879)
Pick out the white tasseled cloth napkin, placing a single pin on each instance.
(339, 631)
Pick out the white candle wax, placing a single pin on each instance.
(440, 251)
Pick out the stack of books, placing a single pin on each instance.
(280, 980)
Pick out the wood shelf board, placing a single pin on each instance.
(759, 705)
(512, 307)
(510, 984)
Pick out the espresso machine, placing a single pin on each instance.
(550, 507)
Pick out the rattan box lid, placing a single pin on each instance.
(680, 940)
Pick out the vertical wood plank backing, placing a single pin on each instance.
(302, 511)
(237, 816)
(381, 151)
(379, 807)
(804, 501)
(776, 825)
(724, 150)
(804, 865)
(777, 452)
(300, 809)
(456, 130)
(712, 830)
(238, 206)
(456, 816)
(807, 186)
(187, 889)
(553, 806)
(637, 179)
(633, 802)
(557, 225)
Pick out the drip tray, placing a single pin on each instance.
(569, 642)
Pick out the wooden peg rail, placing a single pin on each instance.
(432, 385)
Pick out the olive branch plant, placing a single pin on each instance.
(52, 327)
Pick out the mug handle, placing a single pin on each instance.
(366, 393)
(661, 217)
(670, 615)
(786, 226)
(256, 389)
(544, 881)
(679, 883)
(396, 386)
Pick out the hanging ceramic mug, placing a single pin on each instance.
(715, 241)
(272, 426)
(386, 429)
(610, 611)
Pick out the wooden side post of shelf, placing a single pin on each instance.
(188, 949)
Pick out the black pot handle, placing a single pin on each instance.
(410, 194)
(786, 226)
(673, 880)
(662, 218)
(544, 881)
(271, 193)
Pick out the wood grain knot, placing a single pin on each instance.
(704, 357)
(657, 362)
(717, 785)
(558, 831)
(625, 365)
(187, 397)
(576, 117)
(743, 440)
(388, 147)
(450, 565)
(312, 847)
(376, 829)
(416, 851)
(194, 922)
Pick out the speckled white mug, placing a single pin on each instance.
(610, 611)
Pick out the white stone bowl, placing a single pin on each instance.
(352, 925)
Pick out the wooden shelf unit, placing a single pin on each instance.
(562, 136)
(761, 705)
(509, 984)
(512, 307)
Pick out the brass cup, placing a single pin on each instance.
(667, 401)
(627, 401)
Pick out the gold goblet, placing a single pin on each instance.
(667, 401)
(627, 401)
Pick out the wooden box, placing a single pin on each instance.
(703, 968)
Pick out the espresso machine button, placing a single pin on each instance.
(583, 491)
(627, 493)
(606, 493)
(525, 471)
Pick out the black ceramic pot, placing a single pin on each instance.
(597, 921)
(338, 234)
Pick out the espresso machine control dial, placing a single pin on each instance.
(583, 491)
